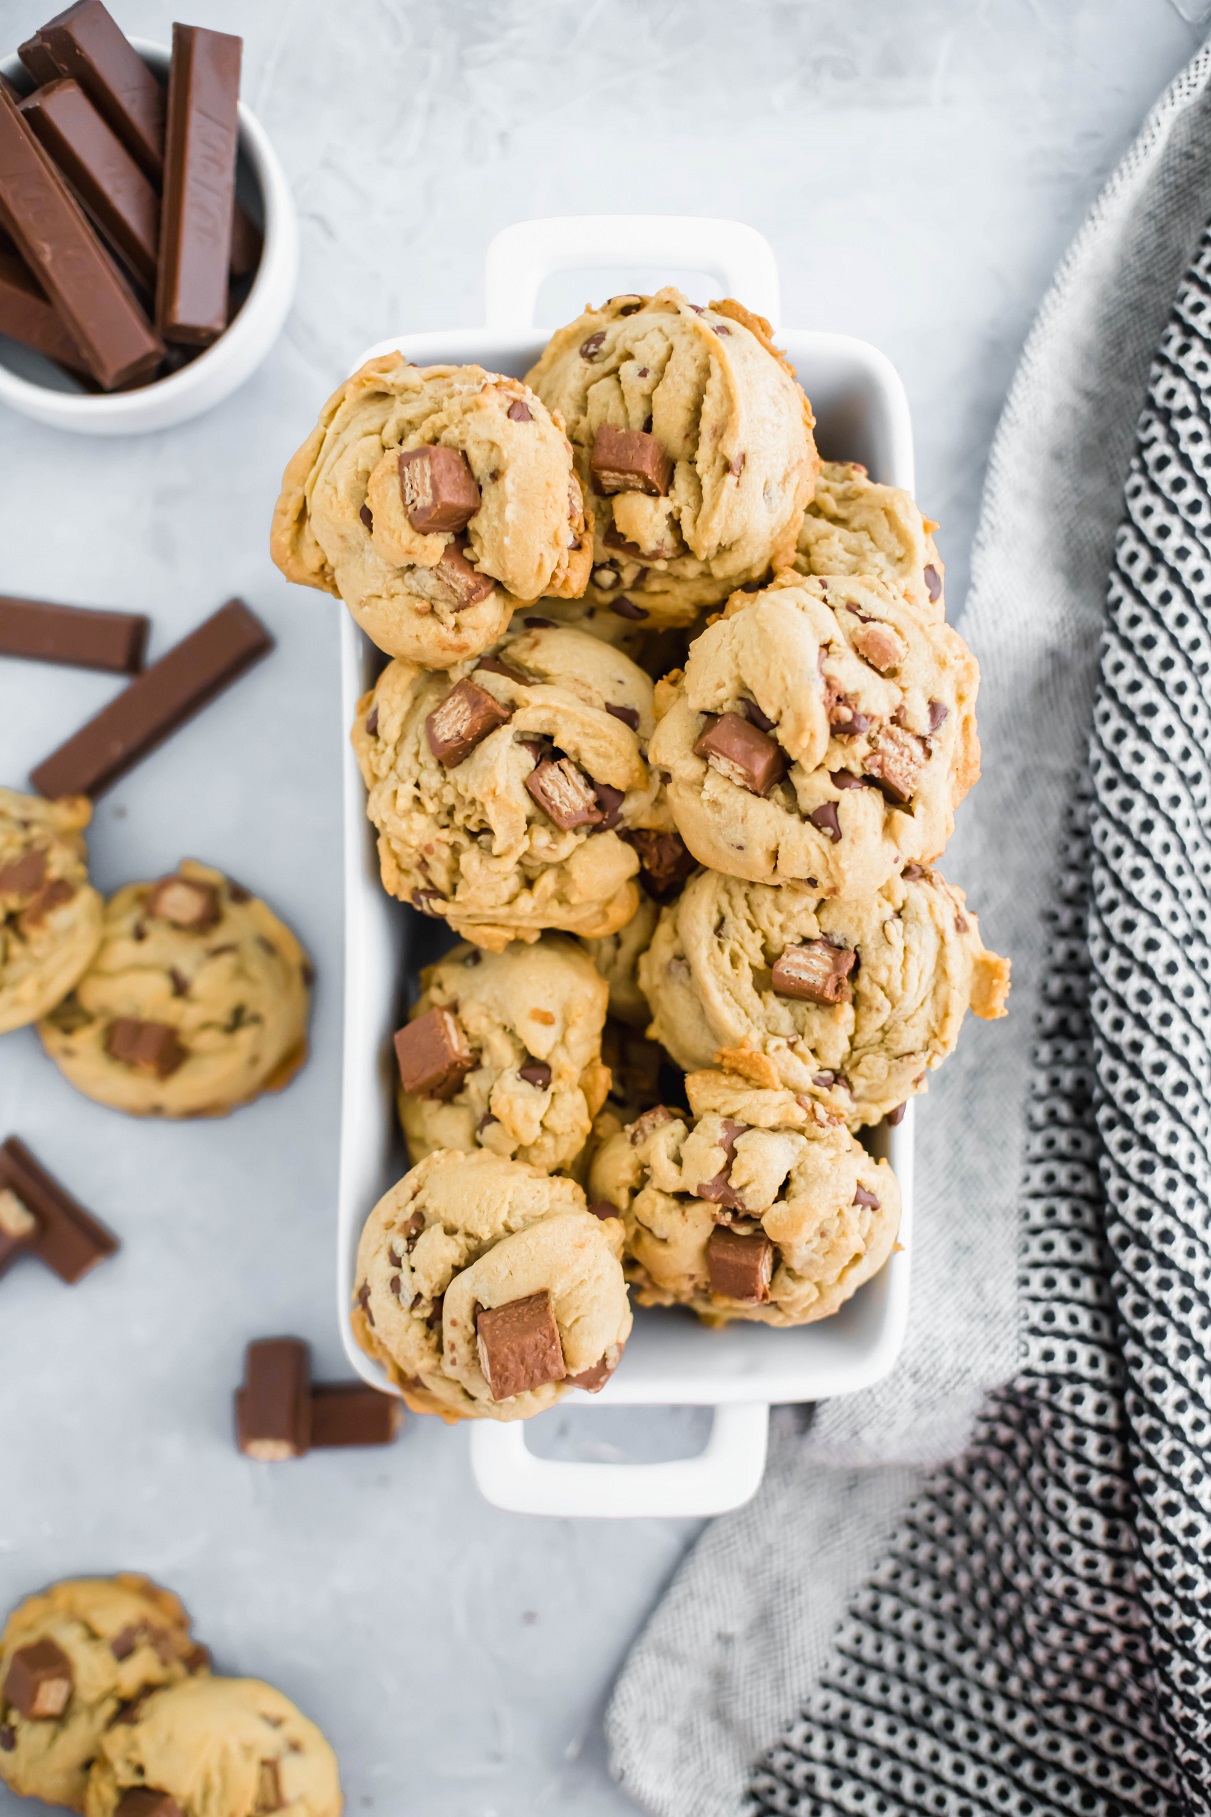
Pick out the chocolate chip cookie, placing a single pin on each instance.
(50, 915)
(855, 526)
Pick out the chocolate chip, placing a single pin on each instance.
(595, 1377)
(721, 328)
(895, 1117)
(591, 346)
(628, 715)
(23, 875)
(151, 1048)
(438, 489)
(519, 1345)
(180, 983)
(665, 862)
(540, 624)
(825, 817)
(492, 665)
(752, 712)
(268, 1789)
(933, 582)
(601, 1208)
(39, 1680)
(537, 1073)
(8, 1737)
(124, 1643)
(816, 972)
(937, 713)
(564, 793)
(463, 585)
(910, 872)
(185, 903)
(740, 1265)
(237, 892)
(652, 1119)
(609, 800)
(518, 412)
(367, 516)
(629, 460)
(395, 1284)
(146, 1801)
(742, 752)
(363, 1300)
(462, 720)
(485, 1122)
(895, 762)
(433, 1054)
(422, 901)
(372, 722)
(435, 1315)
(614, 539)
(862, 1197)
(626, 608)
(845, 779)
(412, 1229)
(879, 645)
(52, 895)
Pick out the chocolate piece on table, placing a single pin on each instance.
(438, 489)
(814, 972)
(665, 861)
(155, 704)
(146, 1801)
(39, 1680)
(742, 752)
(200, 144)
(185, 903)
(896, 762)
(273, 1404)
(433, 1054)
(151, 1048)
(27, 316)
(352, 1413)
(18, 1227)
(68, 1239)
(84, 42)
(70, 263)
(461, 720)
(112, 187)
(77, 635)
(564, 793)
(740, 1264)
(519, 1345)
(463, 584)
(628, 460)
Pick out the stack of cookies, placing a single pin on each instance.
(672, 735)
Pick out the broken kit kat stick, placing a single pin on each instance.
(352, 1413)
(67, 1238)
(200, 147)
(280, 1415)
(156, 704)
(80, 636)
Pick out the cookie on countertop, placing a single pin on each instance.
(512, 795)
(754, 1205)
(823, 732)
(72, 1658)
(694, 442)
(195, 1002)
(856, 526)
(851, 1002)
(503, 1051)
(215, 1747)
(50, 915)
(488, 1290)
(433, 500)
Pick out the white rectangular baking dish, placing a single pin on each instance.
(862, 414)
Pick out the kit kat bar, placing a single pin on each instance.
(79, 636)
(119, 197)
(155, 704)
(67, 1238)
(87, 44)
(273, 1405)
(201, 142)
(352, 1413)
(27, 316)
(69, 261)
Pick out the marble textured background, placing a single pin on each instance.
(919, 166)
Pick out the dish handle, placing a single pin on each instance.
(520, 257)
(724, 1475)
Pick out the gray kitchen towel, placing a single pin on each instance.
(1026, 1629)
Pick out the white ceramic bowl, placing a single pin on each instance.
(33, 386)
(671, 1359)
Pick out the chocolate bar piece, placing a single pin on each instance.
(151, 1048)
(85, 43)
(185, 903)
(594, 1378)
(628, 460)
(438, 489)
(273, 1407)
(69, 262)
(116, 193)
(27, 316)
(433, 1054)
(740, 1265)
(149, 1801)
(564, 793)
(896, 761)
(352, 1413)
(247, 243)
(463, 585)
(68, 1239)
(39, 1680)
(742, 752)
(18, 1227)
(879, 645)
(519, 1346)
(84, 638)
(665, 862)
(155, 704)
(23, 875)
(461, 720)
(815, 972)
(200, 147)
